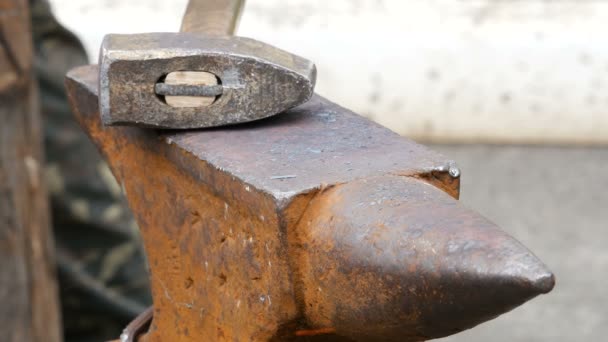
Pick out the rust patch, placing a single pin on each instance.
(442, 180)
(196, 235)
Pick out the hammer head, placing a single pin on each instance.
(257, 80)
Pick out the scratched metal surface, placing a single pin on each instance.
(319, 135)
(283, 155)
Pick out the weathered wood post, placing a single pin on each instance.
(29, 309)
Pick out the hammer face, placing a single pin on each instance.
(258, 80)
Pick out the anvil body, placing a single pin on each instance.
(316, 224)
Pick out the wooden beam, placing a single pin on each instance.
(28, 287)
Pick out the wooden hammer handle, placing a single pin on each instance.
(212, 17)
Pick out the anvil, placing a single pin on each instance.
(317, 224)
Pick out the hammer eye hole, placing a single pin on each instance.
(187, 89)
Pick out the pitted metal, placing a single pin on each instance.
(257, 79)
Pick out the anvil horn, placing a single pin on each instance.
(393, 259)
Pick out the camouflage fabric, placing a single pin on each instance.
(102, 273)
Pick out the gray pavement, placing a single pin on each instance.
(555, 201)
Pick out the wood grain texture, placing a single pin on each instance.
(190, 78)
(215, 17)
(28, 288)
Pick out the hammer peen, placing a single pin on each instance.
(200, 77)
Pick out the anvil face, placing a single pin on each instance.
(258, 80)
(317, 222)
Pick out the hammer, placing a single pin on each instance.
(200, 77)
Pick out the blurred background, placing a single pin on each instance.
(514, 91)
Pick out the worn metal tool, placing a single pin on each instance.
(200, 77)
(318, 225)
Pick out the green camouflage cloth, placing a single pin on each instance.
(102, 272)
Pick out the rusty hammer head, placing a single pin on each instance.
(201, 77)
(254, 80)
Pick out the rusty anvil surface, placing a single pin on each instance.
(314, 225)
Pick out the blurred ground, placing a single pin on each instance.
(555, 201)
